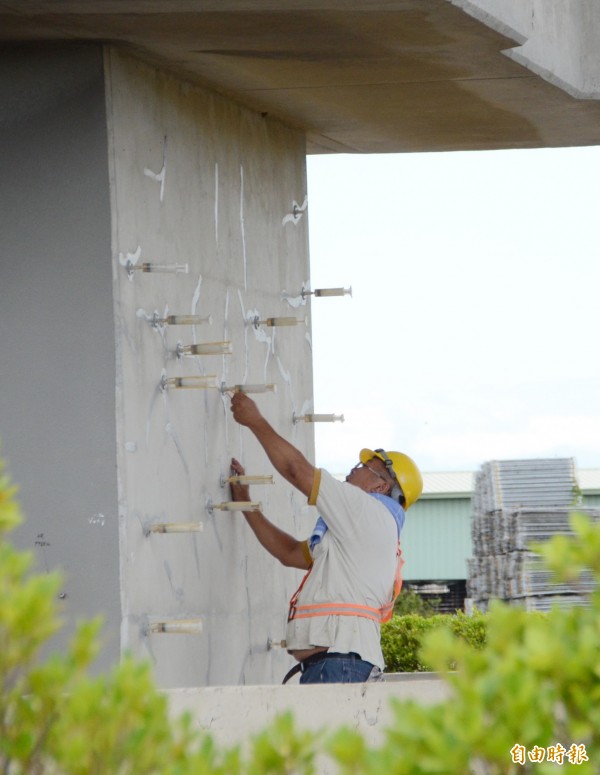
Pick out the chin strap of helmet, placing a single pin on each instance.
(396, 492)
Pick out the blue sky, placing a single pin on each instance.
(472, 333)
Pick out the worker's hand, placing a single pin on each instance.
(244, 409)
(239, 492)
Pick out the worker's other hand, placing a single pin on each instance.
(239, 492)
(244, 409)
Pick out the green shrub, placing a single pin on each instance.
(409, 602)
(403, 636)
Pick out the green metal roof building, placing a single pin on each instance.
(436, 539)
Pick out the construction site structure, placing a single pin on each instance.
(516, 505)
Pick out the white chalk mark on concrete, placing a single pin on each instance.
(165, 397)
(97, 519)
(161, 328)
(307, 407)
(133, 257)
(270, 348)
(225, 402)
(196, 296)
(297, 212)
(217, 203)
(160, 176)
(226, 319)
(285, 375)
(242, 227)
(293, 301)
(131, 446)
(225, 359)
(195, 300)
(260, 333)
(225, 372)
(287, 378)
(245, 317)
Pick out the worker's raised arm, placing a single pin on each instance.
(284, 547)
(286, 459)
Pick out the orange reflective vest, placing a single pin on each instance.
(381, 615)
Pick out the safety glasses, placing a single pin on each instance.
(372, 470)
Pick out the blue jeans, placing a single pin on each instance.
(337, 669)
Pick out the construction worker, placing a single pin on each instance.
(353, 556)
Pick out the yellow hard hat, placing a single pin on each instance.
(403, 469)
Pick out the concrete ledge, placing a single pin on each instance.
(233, 714)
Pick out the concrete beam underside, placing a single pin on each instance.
(405, 76)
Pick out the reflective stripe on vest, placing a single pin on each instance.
(381, 615)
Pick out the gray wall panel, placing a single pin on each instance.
(57, 373)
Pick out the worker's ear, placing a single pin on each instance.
(383, 487)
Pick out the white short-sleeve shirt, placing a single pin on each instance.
(355, 562)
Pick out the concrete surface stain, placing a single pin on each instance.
(172, 433)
